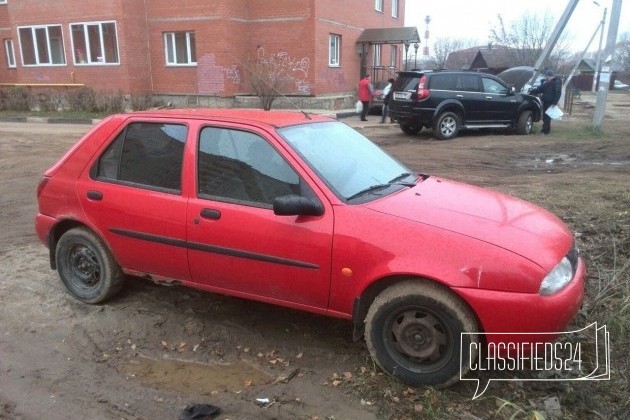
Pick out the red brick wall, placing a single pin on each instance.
(229, 34)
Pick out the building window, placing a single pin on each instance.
(95, 43)
(334, 59)
(377, 54)
(394, 8)
(393, 56)
(41, 45)
(180, 48)
(4, 2)
(8, 46)
(378, 5)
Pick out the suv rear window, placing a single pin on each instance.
(407, 83)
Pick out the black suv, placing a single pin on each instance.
(449, 101)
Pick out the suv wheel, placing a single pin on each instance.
(446, 126)
(525, 123)
(410, 129)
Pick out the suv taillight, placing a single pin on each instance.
(422, 92)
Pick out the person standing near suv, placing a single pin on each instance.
(387, 96)
(550, 91)
(365, 95)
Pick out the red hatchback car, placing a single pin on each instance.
(302, 211)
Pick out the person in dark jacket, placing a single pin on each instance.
(550, 92)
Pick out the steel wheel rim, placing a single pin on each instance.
(418, 339)
(84, 266)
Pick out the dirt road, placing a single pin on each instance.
(153, 349)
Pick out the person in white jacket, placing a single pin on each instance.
(387, 96)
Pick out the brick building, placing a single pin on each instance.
(196, 48)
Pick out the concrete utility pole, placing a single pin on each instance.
(604, 79)
(599, 51)
(553, 39)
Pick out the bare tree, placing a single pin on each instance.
(526, 39)
(622, 53)
(265, 80)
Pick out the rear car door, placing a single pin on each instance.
(134, 197)
(237, 244)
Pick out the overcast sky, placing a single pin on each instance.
(473, 19)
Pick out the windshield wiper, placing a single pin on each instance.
(396, 180)
(369, 189)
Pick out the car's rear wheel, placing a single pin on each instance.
(410, 129)
(86, 267)
(414, 332)
(525, 123)
(446, 126)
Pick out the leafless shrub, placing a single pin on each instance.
(81, 99)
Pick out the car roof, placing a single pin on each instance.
(252, 116)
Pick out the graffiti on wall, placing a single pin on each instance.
(294, 71)
(234, 74)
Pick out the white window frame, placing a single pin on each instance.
(377, 55)
(87, 54)
(49, 46)
(395, 9)
(334, 50)
(393, 56)
(10, 50)
(3, 1)
(169, 41)
(378, 5)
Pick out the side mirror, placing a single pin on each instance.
(295, 205)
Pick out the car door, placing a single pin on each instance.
(237, 244)
(133, 196)
(498, 105)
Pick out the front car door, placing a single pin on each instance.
(498, 104)
(237, 244)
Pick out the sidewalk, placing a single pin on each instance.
(348, 116)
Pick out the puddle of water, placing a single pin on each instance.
(190, 377)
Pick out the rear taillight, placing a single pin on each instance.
(422, 92)
(42, 185)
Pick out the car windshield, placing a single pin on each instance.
(349, 163)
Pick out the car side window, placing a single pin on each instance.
(443, 82)
(145, 154)
(235, 165)
(468, 83)
(492, 86)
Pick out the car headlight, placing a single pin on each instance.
(557, 278)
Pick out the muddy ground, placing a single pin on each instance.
(153, 350)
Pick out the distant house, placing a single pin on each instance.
(488, 59)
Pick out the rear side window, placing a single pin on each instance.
(145, 154)
(468, 83)
(443, 82)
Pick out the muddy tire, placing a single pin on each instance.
(446, 126)
(525, 123)
(86, 267)
(413, 332)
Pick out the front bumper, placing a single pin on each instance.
(503, 315)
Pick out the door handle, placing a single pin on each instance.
(489, 98)
(95, 195)
(210, 214)
(460, 96)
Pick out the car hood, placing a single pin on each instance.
(506, 222)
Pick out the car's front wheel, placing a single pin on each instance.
(525, 123)
(410, 129)
(446, 126)
(86, 267)
(414, 332)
